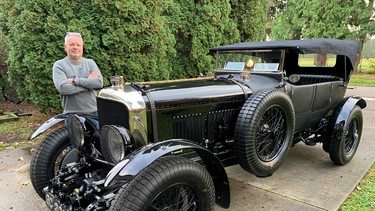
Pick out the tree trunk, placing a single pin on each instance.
(321, 60)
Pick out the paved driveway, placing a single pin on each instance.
(307, 180)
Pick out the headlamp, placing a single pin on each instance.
(76, 127)
(115, 142)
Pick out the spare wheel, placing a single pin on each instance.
(264, 132)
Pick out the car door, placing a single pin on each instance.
(302, 97)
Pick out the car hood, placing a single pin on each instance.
(203, 91)
(177, 93)
(199, 91)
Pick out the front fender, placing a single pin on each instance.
(135, 162)
(59, 118)
(46, 125)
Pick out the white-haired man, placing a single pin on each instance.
(76, 78)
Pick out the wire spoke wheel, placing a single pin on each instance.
(271, 133)
(60, 157)
(177, 197)
(352, 137)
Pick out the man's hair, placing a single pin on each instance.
(71, 34)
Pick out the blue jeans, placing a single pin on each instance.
(95, 122)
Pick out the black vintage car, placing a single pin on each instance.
(164, 145)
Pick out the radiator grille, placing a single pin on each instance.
(112, 113)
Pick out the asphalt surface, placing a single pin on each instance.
(307, 180)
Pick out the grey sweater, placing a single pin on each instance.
(81, 96)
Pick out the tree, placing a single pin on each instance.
(251, 18)
(286, 24)
(3, 56)
(140, 39)
(339, 19)
(204, 24)
(322, 19)
(122, 36)
(363, 22)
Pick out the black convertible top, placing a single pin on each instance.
(349, 48)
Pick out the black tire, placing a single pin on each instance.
(176, 183)
(264, 132)
(343, 150)
(47, 158)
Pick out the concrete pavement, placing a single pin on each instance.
(307, 180)
(16, 191)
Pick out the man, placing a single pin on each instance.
(76, 78)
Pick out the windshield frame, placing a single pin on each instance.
(220, 68)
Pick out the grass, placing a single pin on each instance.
(15, 133)
(367, 64)
(362, 79)
(363, 197)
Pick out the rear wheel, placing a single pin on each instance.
(343, 149)
(169, 183)
(48, 158)
(264, 132)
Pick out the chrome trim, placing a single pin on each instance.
(135, 103)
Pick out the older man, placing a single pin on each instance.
(76, 78)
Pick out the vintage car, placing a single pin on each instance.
(165, 145)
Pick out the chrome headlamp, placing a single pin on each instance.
(115, 142)
(76, 127)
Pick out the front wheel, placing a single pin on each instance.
(169, 183)
(48, 158)
(343, 149)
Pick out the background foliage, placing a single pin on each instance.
(251, 18)
(3, 67)
(304, 19)
(154, 39)
(139, 39)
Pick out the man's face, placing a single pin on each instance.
(74, 48)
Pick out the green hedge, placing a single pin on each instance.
(3, 68)
(141, 40)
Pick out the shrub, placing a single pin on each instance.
(140, 39)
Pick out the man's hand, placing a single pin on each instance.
(69, 80)
(93, 75)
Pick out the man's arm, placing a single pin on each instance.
(94, 80)
(63, 84)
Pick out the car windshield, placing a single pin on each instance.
(257, 61)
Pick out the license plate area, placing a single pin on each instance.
(53, 203)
